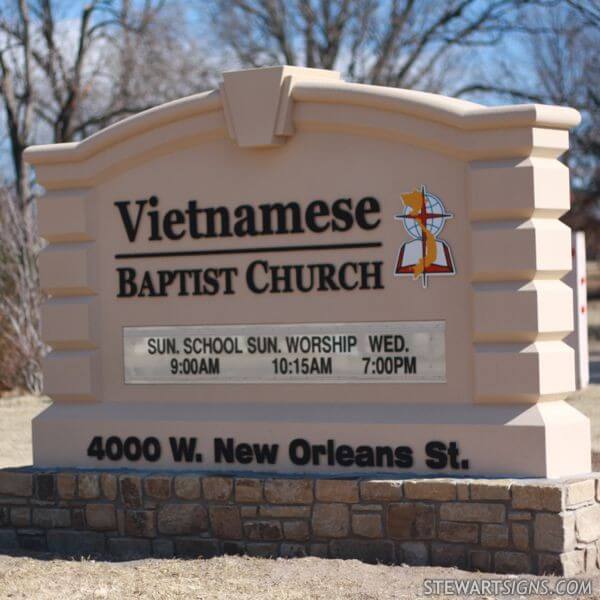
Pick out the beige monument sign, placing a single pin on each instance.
(294, 274)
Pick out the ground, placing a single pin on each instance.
(228, 578)
(40, 577)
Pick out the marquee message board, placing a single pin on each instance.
(297, 274)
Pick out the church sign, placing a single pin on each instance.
(294, 274)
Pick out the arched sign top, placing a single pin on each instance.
(258, 109)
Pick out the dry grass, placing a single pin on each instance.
(228, 577)
(588, 402)
(15, 428)
(238, 578)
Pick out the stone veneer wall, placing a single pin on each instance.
(488, 525)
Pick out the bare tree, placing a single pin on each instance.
(561, 40)
(588, 9)
(76, 70)
(563, 69)
(21, 347)
(400, 43)
(66, 70)
(17, 94)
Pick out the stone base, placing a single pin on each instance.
(503, 526)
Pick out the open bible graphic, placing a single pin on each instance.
(424, 217)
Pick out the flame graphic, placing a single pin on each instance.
(415, 200)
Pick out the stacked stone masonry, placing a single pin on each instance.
(504, 526)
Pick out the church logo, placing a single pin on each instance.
(424, 218)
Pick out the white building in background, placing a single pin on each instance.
(578, 339)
